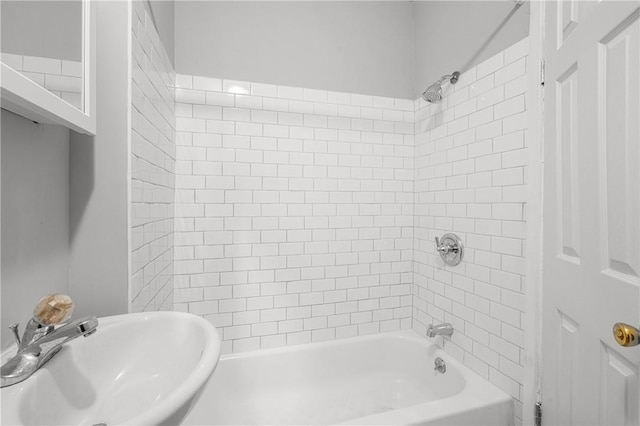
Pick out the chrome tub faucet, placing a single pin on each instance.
(445, 329)
(42, 340)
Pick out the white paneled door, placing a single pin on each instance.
(591, 213)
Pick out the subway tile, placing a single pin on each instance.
(508, 142)
(190, 125)
(481, 86)
(70, 68)
(207, 84)
(510, 72)
(516, 158)
(250, 102)
(505, 177)
(267, 90)
(183, 81)
(42, 65)
(236, 87)
(12, 60)
(189, 96)
(490, 97)
(207, 112)
(490, 65)
(275, 104)
(314, 95)
(220, 99)
(516, 51)
(339, 98)
(516, 87)
(514, 123)
(235, 114)
(291, 93)
(509, 107)
(478, 118)
(329, 181)
(184, 110)
(301, 107)
(466, 108)
(220, 127)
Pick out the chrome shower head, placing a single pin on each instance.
(433, 94)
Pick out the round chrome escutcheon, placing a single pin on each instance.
(450, 248)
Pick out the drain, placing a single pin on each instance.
(99, 424)
(440, 367)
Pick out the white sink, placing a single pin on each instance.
(137, 369)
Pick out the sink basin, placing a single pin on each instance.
(138, 369)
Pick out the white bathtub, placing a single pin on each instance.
(378, 379)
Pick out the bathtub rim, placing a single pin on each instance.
(477, 392)
(408, 335)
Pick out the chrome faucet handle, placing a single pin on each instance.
(33, 331)
(16, 334)
(53, 309)
(50, 311)
(441, 247)
(450, 249)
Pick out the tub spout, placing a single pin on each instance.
(445, 329)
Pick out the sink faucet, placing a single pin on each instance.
(41, 340)
(445, 329)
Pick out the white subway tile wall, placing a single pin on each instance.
(153, 153)
(61, 77)
(294, 211)
(470, 179)
(306, 215)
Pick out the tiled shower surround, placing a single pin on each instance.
(152, 168)
(294, 211)
(470, 179)
(306, 215)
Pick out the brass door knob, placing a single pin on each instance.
(626, 335)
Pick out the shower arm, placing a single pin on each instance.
(445, 77)
(453, 78)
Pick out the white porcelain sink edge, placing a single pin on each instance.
(191, 389)
(138, 369)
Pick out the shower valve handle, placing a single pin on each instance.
(450, 249)
(445, 248)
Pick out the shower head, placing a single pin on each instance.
(433, 94)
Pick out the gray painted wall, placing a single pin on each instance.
(362, 47)
(65, 202)
(98, 273)
(163, 13)
(50, 29)
(457, 35)
(35, 216)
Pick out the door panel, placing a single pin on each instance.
(591, 277)
(619, 149)
(567, 165)
(567, 344)
(618, 373)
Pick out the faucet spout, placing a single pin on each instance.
(444, 329)
(80, 327)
